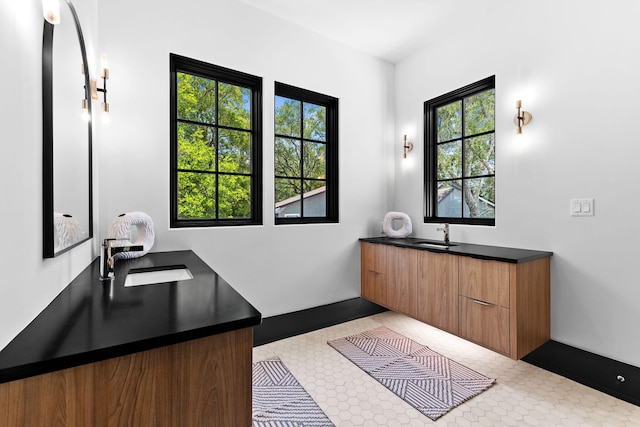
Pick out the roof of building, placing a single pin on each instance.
(306, 195)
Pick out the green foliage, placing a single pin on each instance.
(477, 170)
(450, 160)
(215, 162)
(196, 195)
(288, 117)
(449, 121)
(214, 148)
(297, 158)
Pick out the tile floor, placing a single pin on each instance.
(523, 395)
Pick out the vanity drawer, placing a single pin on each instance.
(486, 281)
(373, 273)
(484, 323)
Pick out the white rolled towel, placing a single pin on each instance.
(121, 230)
(403, 231)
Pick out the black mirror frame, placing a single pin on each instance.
(47, 137)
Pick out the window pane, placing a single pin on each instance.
(479, 155)
(305, 123)
(234, 196)
(196, 195)
(196, 98)
(215, 140)
(450, 199)
(479, 113)
(287, 157)
(449, 121)
(315, 199)
(234, 151)
(287, 117)
(479, 198)
(450, 160)
(460, 152)
(315, 125)
(196, 147)
(234, 103)
(314, 165)
(287, 198)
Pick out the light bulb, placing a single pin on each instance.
(85, 110)
(51, 11)
(104, 64)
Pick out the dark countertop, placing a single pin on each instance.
(495, 253)
(92, 320)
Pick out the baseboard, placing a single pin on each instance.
(300, 322)
(592, 370)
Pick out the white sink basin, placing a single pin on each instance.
(436, 245)
(157, 276)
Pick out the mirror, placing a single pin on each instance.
(67, 158)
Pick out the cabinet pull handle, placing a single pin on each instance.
(480, 302)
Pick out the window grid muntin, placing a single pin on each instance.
(331, 152)
(217, 128)
(180, 64)
(431, 158)
(301, 140)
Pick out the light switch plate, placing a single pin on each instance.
(582, 207)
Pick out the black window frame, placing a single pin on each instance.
(331, 152)
(206, 70)
(431, 156)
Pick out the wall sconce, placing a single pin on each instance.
(407, 146)
(522, 118)
(104, 75)
(51, 11)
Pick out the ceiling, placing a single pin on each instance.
(387, 29)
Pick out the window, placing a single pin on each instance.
(216, 145)
(460, 155)
(306, 156)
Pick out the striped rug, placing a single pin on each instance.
(280, 401)
(428, 381)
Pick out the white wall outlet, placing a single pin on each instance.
(582, 207)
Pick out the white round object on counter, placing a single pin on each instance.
(403, 231)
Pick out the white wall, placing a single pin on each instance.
(576, 70)
(27, 281)
(278, 269)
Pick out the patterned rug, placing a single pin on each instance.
(428, 381)
(280, 401)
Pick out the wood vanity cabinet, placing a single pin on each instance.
(503, 306)
(484, 303)
(402, 265)
(202, 382)
(379, 263)
(437, 295)
(373, 273)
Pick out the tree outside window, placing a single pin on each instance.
(460, 155)
(215, 145)
(305, 139)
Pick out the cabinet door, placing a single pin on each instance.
(401, 280)
(437, 290)
(373, 272)
(484, 280)
(484, 323)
